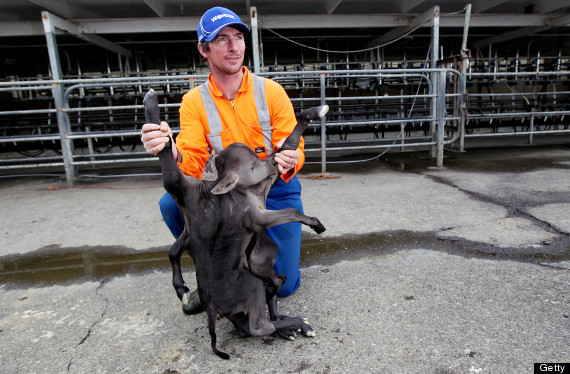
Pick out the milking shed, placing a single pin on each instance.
(397, 75)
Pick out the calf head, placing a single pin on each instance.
(237, 166)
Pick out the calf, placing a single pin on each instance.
(225, 218)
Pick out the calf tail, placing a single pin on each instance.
(212, 315)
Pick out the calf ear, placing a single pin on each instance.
(210, 172)
(226, 184)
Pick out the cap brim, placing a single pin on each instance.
(236, 25)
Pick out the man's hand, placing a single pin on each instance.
(154, 137)
(287, 159)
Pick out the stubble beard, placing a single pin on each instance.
(229, 68)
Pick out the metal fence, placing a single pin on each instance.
(97, 114)
(75, 123)
(519, 103)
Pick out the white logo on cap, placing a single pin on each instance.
(219, 16)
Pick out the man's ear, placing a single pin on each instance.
(204, 54)
(210, 172)
(227, 184)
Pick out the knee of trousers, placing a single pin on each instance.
(291, 284)
(288, 238)
(171, 214)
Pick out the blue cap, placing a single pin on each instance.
(216, 19)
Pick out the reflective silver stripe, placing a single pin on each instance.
(214, 121)
(263, 113)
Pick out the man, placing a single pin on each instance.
(235, 106)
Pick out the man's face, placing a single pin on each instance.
(226, 51)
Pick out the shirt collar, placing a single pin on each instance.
(245, 83)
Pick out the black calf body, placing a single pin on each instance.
(225, 220)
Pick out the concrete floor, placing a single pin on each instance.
(463, 269)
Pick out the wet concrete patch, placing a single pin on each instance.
(51, 266)
(333, 250)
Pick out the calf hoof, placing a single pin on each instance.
(318, 226)
(323, 110)
(286, 334)
(307, 330)
(191, 303)
(186, 298)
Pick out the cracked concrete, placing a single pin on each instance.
(104, 312)
(411, 311)
(451, 270)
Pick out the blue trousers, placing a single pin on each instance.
(287, 236)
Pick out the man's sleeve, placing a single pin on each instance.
(283, 121)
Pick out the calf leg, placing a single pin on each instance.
(275, 316)
(294, 323)
(260, 326)
(269, 218)
(241, 324)
(174, 255)
(258, 323)
(261, 261)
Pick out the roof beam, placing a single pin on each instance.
(393, 34)
(157, 7)
(549, 6)
(60, 23)
(331, 5)
(407, 5)
(21, 28)
(66, 9)
(548, 23)
(300, 21)
(303, 21)
(483, 5)
(509, 36)
(558, 21)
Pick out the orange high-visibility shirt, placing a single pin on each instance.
(239, 123)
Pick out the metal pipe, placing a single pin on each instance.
(434, 59)
(323, 127)
(440, 118)
(255, 39)
(518, 114)
(538, 132)
(62, 120)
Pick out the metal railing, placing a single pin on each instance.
(76, 124)
(523, 98)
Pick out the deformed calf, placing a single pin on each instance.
(225, 219)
